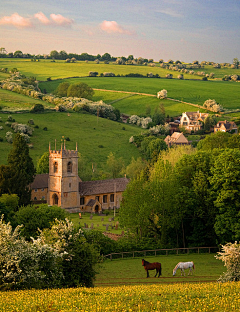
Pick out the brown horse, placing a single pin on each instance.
(152, 266)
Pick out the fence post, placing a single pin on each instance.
(111, 257)
(122, 255)
(155, 252)
(133, 254)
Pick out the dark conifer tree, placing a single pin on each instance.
(20, 171)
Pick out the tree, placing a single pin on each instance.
(21, 170)
(106, 57)
(63, 55)
(54, 54)
(135, 167)
(18, 53)
(236, 62)
(80, 90)
(62, 89)
(43, 164)
(214, 140)
(42, 217)
(225, 186)
(114, 165)
(8, 206)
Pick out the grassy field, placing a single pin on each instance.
(131, 272)
(61, 69)
(194, 297)
(11, 101)
(191, 91)
(124, 287)
(95, 136)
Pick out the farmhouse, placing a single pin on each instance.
(193, 121)
(226, 126)
(177, 138)
(63, 187)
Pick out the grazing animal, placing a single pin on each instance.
(183, 266)
(152, 266)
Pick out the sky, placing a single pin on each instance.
(185, 30)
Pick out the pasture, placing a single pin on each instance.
(191, 91)
(96, 137)
(138, 293)
(129, 271)
(60, 69)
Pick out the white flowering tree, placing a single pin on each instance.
(162, 94)
(24, 264)
(230, 255)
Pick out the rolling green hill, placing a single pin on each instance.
(96, 137)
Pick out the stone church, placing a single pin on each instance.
(64, 188)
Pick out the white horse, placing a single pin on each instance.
(183, 266)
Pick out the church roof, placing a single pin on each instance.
(40, 181)
(103, 186)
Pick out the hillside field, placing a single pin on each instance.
(96, 137)
(60, 69)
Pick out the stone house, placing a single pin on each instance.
(177, 138)
(226, 126)
(63, 187)
(193, 121)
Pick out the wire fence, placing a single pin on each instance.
(160, 252)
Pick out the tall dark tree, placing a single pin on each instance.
(20, 170)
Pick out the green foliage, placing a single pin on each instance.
(43, 164)
(114, 165)
(62, 89)
(80, 90)
(8, 206)
(19, 173)
(135, 168)
(101, 242)
(37, 108)
(225, 188)
(219, 140)
(42, 217)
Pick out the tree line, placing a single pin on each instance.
(187, 197)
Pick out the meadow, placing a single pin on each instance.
(137, 293)
(96, 137)
(191, 91)
(45, 68)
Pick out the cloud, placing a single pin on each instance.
(170, 12)
(42, 18)
(60, 20)
(113, 27)
(16, 20)
(20, 22)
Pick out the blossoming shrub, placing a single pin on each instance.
(24, 264)
(60, 256)
(162, 94)
(230, 255)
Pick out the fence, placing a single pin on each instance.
(155, 252)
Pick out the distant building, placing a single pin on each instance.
(193, 121)
(226, 126)
(63, 187)
(177, 138)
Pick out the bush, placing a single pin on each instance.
(37, 108)
(230, 255)
(41, 217)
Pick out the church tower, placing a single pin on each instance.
(63, 181)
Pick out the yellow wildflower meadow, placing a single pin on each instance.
(165, 297)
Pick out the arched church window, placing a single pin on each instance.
(69, 167)
(55, 167)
